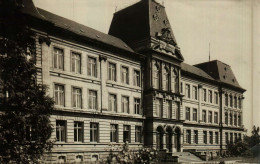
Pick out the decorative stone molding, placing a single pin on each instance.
(46, 39)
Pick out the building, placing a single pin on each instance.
(131, 85)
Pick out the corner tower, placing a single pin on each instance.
(145, 27)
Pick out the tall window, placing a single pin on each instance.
(204, 95)
(226, 99)
(125, 104)
(188, 136)
(59, 95)
(216, 97)
(137, 78)
(210, 117)
(126, 133)
(76, 98)
(187, 113)
(239, 120)
(112, 72)
(195, 136)
(239, 103)
(138, 134)
(226, 118)
(93, 132)
(235, 119)
(211, 137)
(92, 99)
(187, 90)
(124, 75)
(156, 77)
(58, 58)
(60, 131)
(159, 110)
(210, 96)
(112, 103)
(231, 100)
(216, 137)
(137, 106)
(235, 135)
(231, 137)
(235, 103)
(92, 67)
(75, 62)
(181, 87)
(78, 131)
(165, 79)
(205, 137)
(215, 117)
(194, 93)
(204, 117)
(168, 109)
(174, 82)
(195, 114)
(113, 133)
(231, 118)
(226, 137)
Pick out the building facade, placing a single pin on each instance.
(131, 85)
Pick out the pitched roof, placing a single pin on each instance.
(196, 71)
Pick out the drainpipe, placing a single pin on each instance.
(221, 119)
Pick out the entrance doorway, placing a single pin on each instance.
(169, 135)
(177, 139)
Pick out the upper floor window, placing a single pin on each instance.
(231, 100)
(187, 90)
(137, 133)
(92, 99)
(112, 72)
(175, 82)
(137, 78)
(159, 109)
(231, 118)
(226, 99)
(188, 136)
(75, 62)
(112, 103)
(76, 98)
(210, 96)
(94, 132)
(58, 60)
(204, 94)
(92, 67)
(216, 97)
(156, 77)
(239, 120)
(78, 131)
(195, 114)
(194, 93)
(211, 137)
(126, 133)
(125, 104)
(205, 137)
(124, 75)
(235, 119)
(196, 137)
(181, 87)
(168, 109)
(187, 113)
(210, 117)
(215, 117)
(239, 103)
(216, 137)
(60, 131)
(165, 79)
(235, 103)
(226, 118)
(204, 116)
(137, 106)
(59, 95)
(113, 133)
(226, 137)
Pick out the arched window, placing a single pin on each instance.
(79, 159)
(165, 79)
(156, 77)
(174, 83)
(159, 138)
(61, 159)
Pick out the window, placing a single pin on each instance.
(210, 96)
(204, 94)
(60, 131)
(239, 120)
(235, 134)
(226, 137)
(231, 137)
(59, 95)
(216, 137)
(79, 159)
(92, 99)
(137, 78)
(210, 117)
(112, 103)
(181, 87)
(75, 62)
(159, 110)
(93, 132)
(226, 99)
(235, 119)
(211, 137)
(194, 93)
(204, 117)
(113, 133)
(165, 79)
(156, 78)
(124, 75)
(216, 97)
(175, 82)
(187, 90)
(231, 118)
(138, 134)
(58, 58)
(76, 98)
(92, 67)
(112, 72)
(168, 109)
(187, 113)
(215, 117)
(235, 103)
(239, 136)
(239, 103)
(78, 131)
(195, 136)
(125, 104)
(61, 159)
(195, 114)
(126, 133)
(137, 106)
(205, 137)
(226, 118)
(231, 100)
(188, 136)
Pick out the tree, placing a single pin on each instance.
(25, 109)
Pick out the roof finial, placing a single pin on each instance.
(209, 51)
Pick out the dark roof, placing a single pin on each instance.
(220, 72)
(196, 71)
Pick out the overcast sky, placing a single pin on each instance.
(229, 26)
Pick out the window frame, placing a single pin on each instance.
(81, 103)
(123, 104)
(79, 130)
(187, 113)
(71, 62)
(114, 133)
(127, 137)
(140, 134)
(126, 74)
(94, 132)
(57, 64)
(92, 103)
(136, 81)
(61, 138)
(63, 86)
(137, 106)
(110, 70)
(115, 102)
(92, 70)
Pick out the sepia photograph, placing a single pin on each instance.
(129, 81)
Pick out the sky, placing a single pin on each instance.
(230, 26)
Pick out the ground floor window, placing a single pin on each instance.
(93, 132)
(126, 133)
(113, 133)
(138, 134)
(60, 131)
